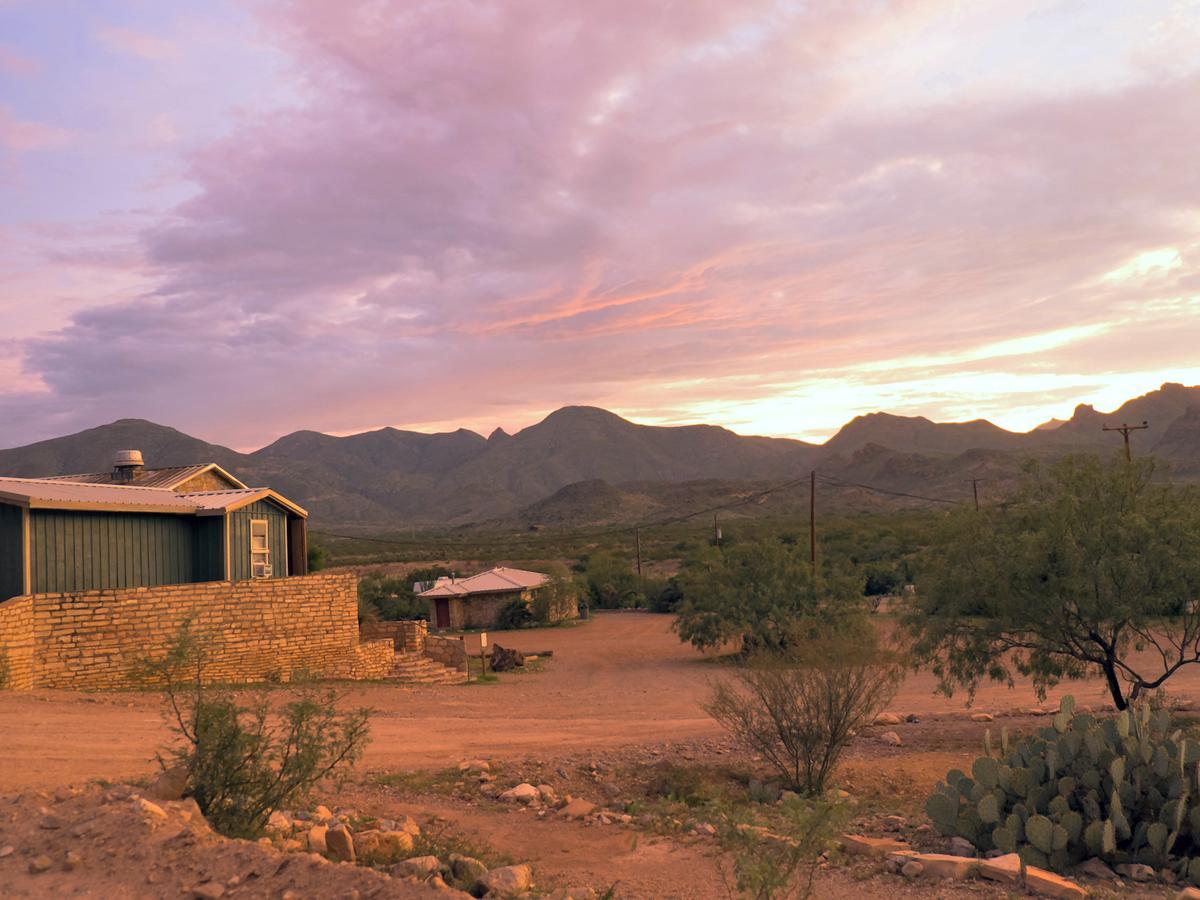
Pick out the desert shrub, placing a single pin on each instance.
(664, 596)
(680, 784)
(515, 614)
(1092, 570)
(1121, 789)
(762, 593)
(391, 598)
(244, 759)
(560, 592)
(316, 557)
(611, 583)
(781, 863)
(799, 710)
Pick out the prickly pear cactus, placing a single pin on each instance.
(1125, 789)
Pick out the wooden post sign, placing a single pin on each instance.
(483, 642)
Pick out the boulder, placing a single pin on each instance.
(417, 867)
(40, 864)
(508, 880)
(279, 822)
(888, 718)
(962, 847)
(1047, 884)
(1190, 893)
(890, 737)
(981, 717)
(860, 845)
(170, 784)
(339, 842)
(210, 890)
(316, 839)
(1096, 868)
(1136, 871)
(151, 812)
(505, 660)
(912, 869)
(548, 794)
(943, 865)
(467, 871)
(577, 808)
(1005, 869)
(522, 793)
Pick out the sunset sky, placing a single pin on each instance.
(245, 218)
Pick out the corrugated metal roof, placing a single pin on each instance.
(52, 493)
(165, 476)
(492, 581)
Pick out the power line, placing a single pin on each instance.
(837, 482)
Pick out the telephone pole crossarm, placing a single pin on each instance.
(1125, 429)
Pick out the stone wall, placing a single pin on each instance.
(481, 610)
(449, 651)
(16, 643)
(267, 629)
(407, 635)
(373, 660)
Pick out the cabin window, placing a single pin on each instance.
(260, 549)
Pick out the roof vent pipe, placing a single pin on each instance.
(127, 466)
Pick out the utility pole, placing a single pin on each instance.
(637, 537)
(1125, 429)
(975, 491)
(812, 520)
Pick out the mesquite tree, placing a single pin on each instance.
(1093, 568)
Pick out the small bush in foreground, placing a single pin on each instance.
(799, 710)
(778, 864)
(242, 759)
(1122, 789)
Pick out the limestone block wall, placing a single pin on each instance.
(267, 629)
(407, 635)
(373, 660)
(16, 644)
(449, 651)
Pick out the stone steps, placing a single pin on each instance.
(416, 668)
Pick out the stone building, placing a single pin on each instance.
(475, 602)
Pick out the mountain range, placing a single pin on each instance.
(583, 465)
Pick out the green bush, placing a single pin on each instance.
(513, 615)
(1124, 789)
(245, 759)
(392, 598)
(800, 710)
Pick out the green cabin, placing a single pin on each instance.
(140, 527)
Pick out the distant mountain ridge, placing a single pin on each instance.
(584, 465)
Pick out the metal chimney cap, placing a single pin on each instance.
(128, 458)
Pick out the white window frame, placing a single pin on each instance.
(260, 557)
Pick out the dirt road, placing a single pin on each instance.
(622, 678)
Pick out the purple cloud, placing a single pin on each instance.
(478, 212)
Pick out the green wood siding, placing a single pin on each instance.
(79, 551)
(239, 541)
(208, 548)
(12, 552)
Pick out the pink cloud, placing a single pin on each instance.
(22, 135)
(495, 209)
(132, 42)
(16, 63)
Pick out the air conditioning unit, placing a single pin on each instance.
(262, 571)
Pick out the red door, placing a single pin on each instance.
(442, 610)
